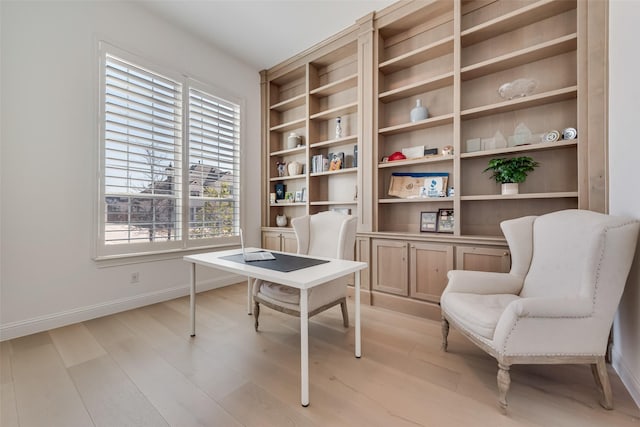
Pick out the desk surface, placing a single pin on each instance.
(302, 279)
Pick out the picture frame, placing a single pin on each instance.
(288, 197)
(428, 222)
(280, 190)
(446, 221)
(297, 197)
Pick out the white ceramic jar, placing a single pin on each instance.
(293, 140)
(281, 220)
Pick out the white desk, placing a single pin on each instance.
(303, 279)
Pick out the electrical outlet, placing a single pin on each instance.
(135, 277)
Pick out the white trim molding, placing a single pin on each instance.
(626, 375)
(80, 314)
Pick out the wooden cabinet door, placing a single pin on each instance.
(390, 266)
(271, 240)
(428, 267)
(289, 243)
(483, 259)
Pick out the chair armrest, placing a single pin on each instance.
(552, 307)
(550, 326)
(482, 282)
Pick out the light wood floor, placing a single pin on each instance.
(140, 368)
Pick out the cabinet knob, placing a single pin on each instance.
(505, 254)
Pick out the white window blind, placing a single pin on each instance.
(170, 161)
(214, 163)
(142, 154)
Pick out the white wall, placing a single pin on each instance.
(48, 157)
(624, 153)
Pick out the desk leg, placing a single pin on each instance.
(304, 346)
(357, 293)
(249, 299)
(193, 299)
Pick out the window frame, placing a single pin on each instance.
(184, 245)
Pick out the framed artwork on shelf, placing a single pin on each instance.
(297, 197)
(445, 221)
(429, 222)
(288, 197)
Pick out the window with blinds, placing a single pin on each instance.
(165, 184)
(142, 145)
(214, 162)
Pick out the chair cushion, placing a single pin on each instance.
(281, 293)
(477, 313)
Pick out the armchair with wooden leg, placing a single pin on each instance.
(557, 303)
(326, 234)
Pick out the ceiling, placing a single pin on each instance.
(263, 33)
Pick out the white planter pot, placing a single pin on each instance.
(510, 188)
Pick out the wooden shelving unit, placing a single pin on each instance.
(452, 55)
(306, 99)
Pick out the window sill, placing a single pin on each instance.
(143, 257)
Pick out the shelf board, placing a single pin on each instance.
(417, 56)
(555, 195)
(337, 141)
(288, 177)
(285, 204)
(290, 103)
(336, 112)
(417, 87)
(521, 103)
(288, 151)
(519, 149)
(294, 124)
(416, 200)
(422, 124)
(288, 77)
(332, 202)
(337, 86)
(540, 51)
(410, 162)
(518, 18)
(338, 172)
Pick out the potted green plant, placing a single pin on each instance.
(511, 171)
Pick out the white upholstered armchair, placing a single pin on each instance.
(326, 234)
(557, 303)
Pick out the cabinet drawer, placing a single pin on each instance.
(483, 259)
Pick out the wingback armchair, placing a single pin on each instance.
(557, 303)
(326, 234)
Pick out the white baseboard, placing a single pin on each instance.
(55, 320)
(630, 382)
